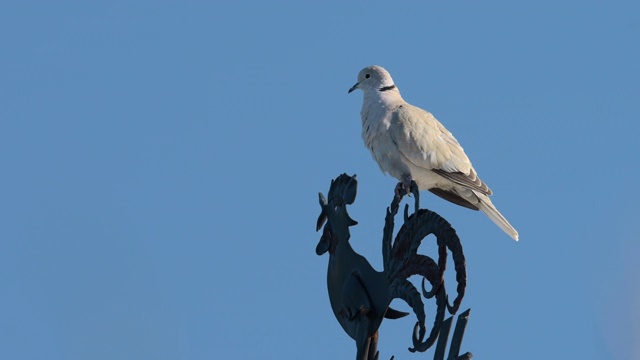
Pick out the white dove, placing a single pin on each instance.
(410, 144)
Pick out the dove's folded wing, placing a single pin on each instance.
(429, 145)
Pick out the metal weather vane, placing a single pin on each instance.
(360, 295)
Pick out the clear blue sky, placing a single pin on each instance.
(161, 163)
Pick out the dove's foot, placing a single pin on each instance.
(404, 186)
(408, 187)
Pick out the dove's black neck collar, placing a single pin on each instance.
(387, 88)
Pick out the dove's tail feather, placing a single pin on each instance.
(487, 207)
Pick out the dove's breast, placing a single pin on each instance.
(376, 120)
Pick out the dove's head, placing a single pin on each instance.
(374, 78)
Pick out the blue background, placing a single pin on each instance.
(161, 162)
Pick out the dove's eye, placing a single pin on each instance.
(367, 76)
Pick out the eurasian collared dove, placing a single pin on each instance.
(410, 144)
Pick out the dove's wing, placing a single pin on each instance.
(427, 144)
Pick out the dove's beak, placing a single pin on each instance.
(353, 87)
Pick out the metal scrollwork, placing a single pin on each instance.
(360, 295)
